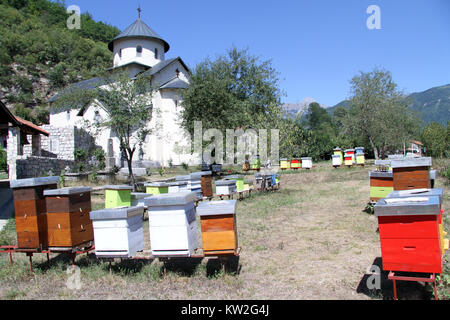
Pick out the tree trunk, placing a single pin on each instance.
(130, 169)
(375, 149)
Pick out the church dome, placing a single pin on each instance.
(139, 30)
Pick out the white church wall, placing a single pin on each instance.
(129, 53)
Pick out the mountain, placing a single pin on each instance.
(293, 109)
(39, 55)
(432, 105)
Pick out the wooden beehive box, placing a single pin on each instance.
(381, 184)
(409, 234)
(411, 173)
(117, 196)
(118, 232)
(156, 188)
(173, 225)
(349, 157)
(225, 187)
(31, 211)
(68, 221)
(219, 229)
(206, 183)
(307, 163)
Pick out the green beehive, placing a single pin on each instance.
(239, 181)
(117, 196)
(256, 163)
(156, 188)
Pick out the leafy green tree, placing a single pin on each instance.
(435, 139)
(126, 106)
(235, 90)
(378, 114)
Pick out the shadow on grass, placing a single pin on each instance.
(182, 266)
(406, 290)
(216, 266)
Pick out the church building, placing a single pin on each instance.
(140, 51)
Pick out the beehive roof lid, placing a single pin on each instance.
(173, 199)
(411, 162)
(116, 213)
(381, 174)
(183, 178)
(382, 162)
(438, 192)
(225, 182)
(156, 184)
(198, 175)
(67, 191)
(235, 176)
(178, 183)
(306, 158)
(33, 182)
(408, 206)
(118, 187)
(211, 208)
(140, 195)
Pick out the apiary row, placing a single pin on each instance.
(295, 164)
(348, 157)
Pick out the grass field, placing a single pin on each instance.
(309, 240)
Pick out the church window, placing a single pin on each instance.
(139, 50)
(156, 53)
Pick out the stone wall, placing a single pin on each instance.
(33, 167)
(60, 144)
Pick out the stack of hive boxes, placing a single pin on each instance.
(205, 182)
(219, 229)
(256, 163)
(338, 152)
(296, 164)
(239, 181)
(172, 224)
(381, 184)
(410, 235)
(285, 164)
(68, 221)
(360, 158)
(178, 186)
(31, 212)
(349, 157)
(118, 232)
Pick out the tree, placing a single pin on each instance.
(435, 138)
(235, 90)
(126, 106)
(378, 114)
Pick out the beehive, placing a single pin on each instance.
(31, 212)
(359, 154)
(156, 188)
(383, 165)
(296, 164)
(336, 160)
(239, 181)
(409, 234)
(411, 173)
(117, 196)
(219, 229)
(140, 199)
(178, 186)
(381, 184)
(338, 152)
(285, 164)
(206, 183)
(172, 224)
(68, 221)
(307, 163)
(433, 174)
(349, 157)
(225, 187)
(256, 163)
(118, 232)
(247, 184)
(426, 193)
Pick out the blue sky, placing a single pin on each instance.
(316, 46)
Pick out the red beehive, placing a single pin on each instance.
(409, 234)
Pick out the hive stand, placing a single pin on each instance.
(430, 279)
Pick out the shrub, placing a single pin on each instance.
(3, 163)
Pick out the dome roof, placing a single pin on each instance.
(139, 30)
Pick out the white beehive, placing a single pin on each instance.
(140, 199)
(172, 224)
(336, 160)
(225, 187)
(307, 163)
(118, 232)
(178, 186)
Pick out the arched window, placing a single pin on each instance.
(139, 50)
(156, 53)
